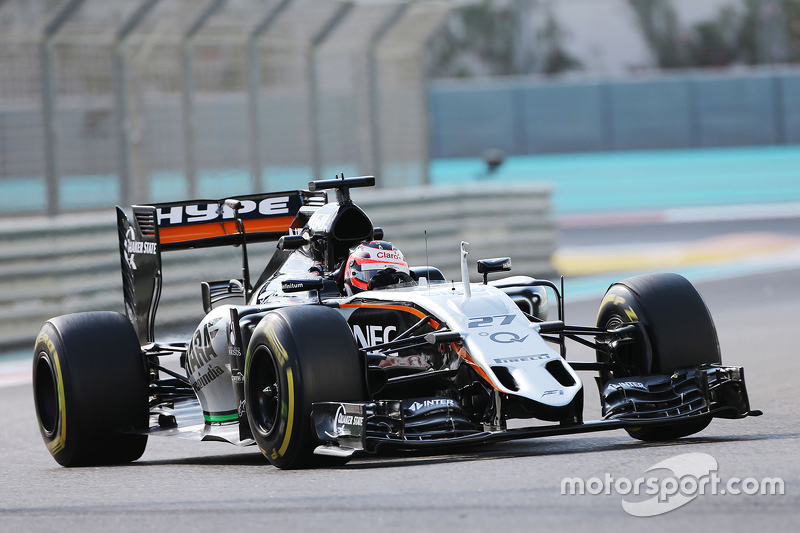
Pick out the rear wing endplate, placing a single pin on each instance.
(140, 258)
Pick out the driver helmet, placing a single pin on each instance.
(374, 264)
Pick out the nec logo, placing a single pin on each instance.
(372, 335)
(209, 212)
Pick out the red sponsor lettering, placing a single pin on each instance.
(388, 255)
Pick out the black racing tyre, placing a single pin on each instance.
(297, 356)
(676, 331)
(90, 388)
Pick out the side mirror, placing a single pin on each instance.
(304, 285)
(301, 285)
(496, 264)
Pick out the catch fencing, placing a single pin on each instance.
(131, 101)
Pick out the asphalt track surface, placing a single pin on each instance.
(188, 486)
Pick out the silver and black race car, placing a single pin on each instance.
(312, 374)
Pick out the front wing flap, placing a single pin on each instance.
(371, 426)
(692, 391)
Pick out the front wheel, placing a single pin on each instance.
(675, 330)
(90, 389)
(298, 356)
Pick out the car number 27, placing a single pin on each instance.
(485, 321)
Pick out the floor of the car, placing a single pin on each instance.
(190, 424)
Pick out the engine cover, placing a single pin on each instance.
(209, 370)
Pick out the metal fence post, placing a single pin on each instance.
(187, 90)
(374, 89)
(254, 88)
(426, 129)
(319, 38)
(403, 108)
(128, 192)
(49, 90)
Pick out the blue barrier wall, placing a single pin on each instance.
(526, 116)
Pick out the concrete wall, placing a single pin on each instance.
(71, 263)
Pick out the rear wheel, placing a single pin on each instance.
(675, 331)
(90, 389)
(298, 356)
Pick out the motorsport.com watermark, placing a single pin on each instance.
(693, 475)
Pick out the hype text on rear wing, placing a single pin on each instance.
(195, 224)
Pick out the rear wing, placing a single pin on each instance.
(203, 223)
(195, 224)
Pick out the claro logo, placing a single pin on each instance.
(389, 254)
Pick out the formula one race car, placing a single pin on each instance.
(341, 347)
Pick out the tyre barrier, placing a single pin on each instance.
(70, 263)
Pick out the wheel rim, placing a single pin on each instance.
(46, 395)
(264, 390)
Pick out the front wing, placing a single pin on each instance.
(712, 392)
